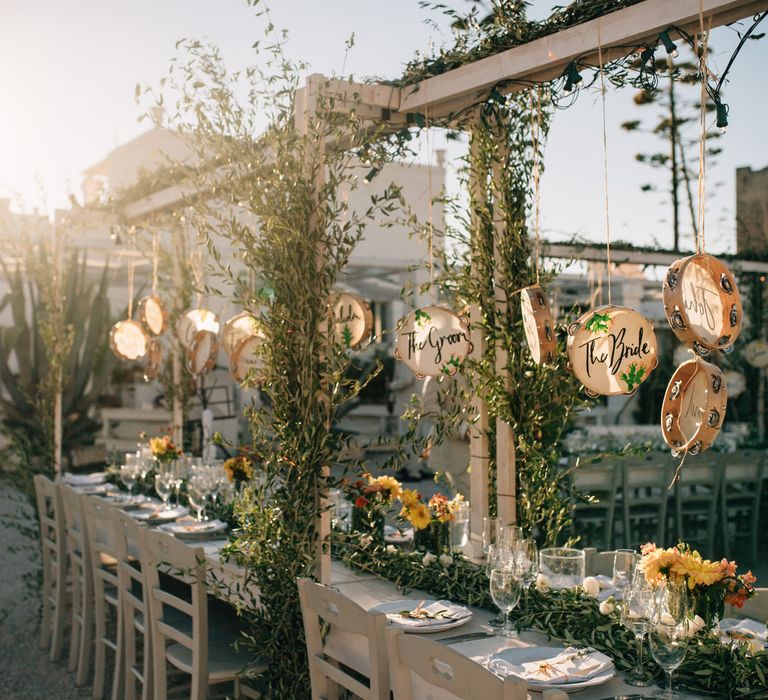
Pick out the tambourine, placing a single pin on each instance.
(611, 350)
(702, 303)
(352, 319)
(128, 340)
(238, 327)
(153, 315)
(538, 324)
(246, 357)
(694, 406)
(433, 341)
(202, 352)
(194, 320)
(153, 361)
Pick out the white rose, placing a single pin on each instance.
(698, 623)
(667, 619)
(591, 586)
(755, 645)
(365, 540)
(446, 559)
(391, 549)
(428, 559)
(543, 584)
(607, 607)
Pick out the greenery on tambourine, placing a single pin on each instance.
(634, 377)
(598, 323)
(346, 336)
(420, 317)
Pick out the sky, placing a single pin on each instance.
(68, 72)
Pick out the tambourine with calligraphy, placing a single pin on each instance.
(246, 357)
(202, 352)
(153, 315)
(538, 324)
(153, 361)
(128, 340)
(694, 406)
(236, 329)
(702, 303)
(195, 320)
(433, 341)
(352, 319)
(611, 350)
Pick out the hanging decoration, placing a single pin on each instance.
(433, 341)
(352, 319)
(153, 360)
(243, 325)
(202, 353)
(702, 303)
(694, 407)
(756, 353)
(195, 320)
(128, 339)
(152, 312)
(611, 350)
(736, 382)
(246, 359)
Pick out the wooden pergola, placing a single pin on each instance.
(614, 35)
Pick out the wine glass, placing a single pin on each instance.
(637, 610)
(669, 644)
(499, 557)
(527, 560)
(509, 534)
(129, 474)
(492, 527)
(197, 491)
(164, 481)
(624, 563)
(506, 585)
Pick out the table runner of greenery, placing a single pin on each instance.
(711, 667)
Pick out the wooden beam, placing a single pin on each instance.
(546, 58)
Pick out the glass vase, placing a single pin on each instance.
(369, 521)
(435, 538)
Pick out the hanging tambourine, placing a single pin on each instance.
(194, 321)
(694, 407)
(202, 353)
(246, 357)
(433, 341)
(611, 350)
(153, 361)
(756, 353)
(128, 340)
(236, 329)
(352, 319)
(153, 315)
(702, 303)
(538, 324)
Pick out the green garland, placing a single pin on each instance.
(710, 668)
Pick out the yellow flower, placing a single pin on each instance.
(390, 484)
(697, 570)
(409, 498)
(418, 516)
(657, 564)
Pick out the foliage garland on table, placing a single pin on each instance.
(711, 668)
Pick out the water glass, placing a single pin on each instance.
(564, 567)
(197, 492)
(527, 560)
(624, 563)
(460, 527)
(164, 481)
(129, 474)
(492, 527)
(638, 608)
(506, 587)
(669, 644)
(499, 557)
(509, 534)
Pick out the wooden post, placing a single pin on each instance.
(178, 408)
(57, 430)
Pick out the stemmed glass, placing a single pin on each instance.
(668, 633)
(506, 585)
(624, 563)
(164, 481)
(492, 528)
(509, 534)
(637, 610)
(197, 491)
(499, 556)
(527, 560)
(129, 473)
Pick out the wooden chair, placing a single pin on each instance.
(601, 481)
(321, 605)
(741, 497)
(697, 494)
(50, 513)
(645, 483)
(598, 563)
(203, 651)
(101, 539)
(755, 608)
(79, 553)
(441, 666)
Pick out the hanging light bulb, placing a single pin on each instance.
(372, 173)
(722, 117)
(646, 55)
(669, 45)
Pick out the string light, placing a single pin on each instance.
(722, 117)
(572, 77)
(647, 54)
(669, 45)
(372, 173)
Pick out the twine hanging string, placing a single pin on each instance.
(430, 219)
(130, 286)
(535, 135)
(155, 255)
(702, 190)
(603, 92)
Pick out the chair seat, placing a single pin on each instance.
(224, 662)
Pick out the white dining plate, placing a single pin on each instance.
(126, 501)
(96, 490)
(85, 479)
(193, 529)
(499, 663)
(395, 607)
(157, 515)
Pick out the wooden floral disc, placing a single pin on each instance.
(246, 357)
(702, 303)
(694, 407)
(153, 361)
(236, 329)
(611, 350)
(128, 340)
(352, 318)
(538, 324)
(202, 353)
(433, 341)
(196, 320)
(153, 315)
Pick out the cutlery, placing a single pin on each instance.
(466, 637)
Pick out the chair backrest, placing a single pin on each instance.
(321, 604)
(441, 666)
(744, 471)
(755, 608)
(650, 473)
(598, 478)
(127, 534)
(50, 513)
(163, 552)
(74, 519)
(599, 563)
(97, 514)
(700, 479)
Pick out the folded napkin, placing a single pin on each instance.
(84, 479)
(443, 611)
(563, 666)
(744, 629)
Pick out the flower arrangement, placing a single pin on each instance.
(163, 449)
(431, 520)
(374, 492)
(239, 469)
(712, 583)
